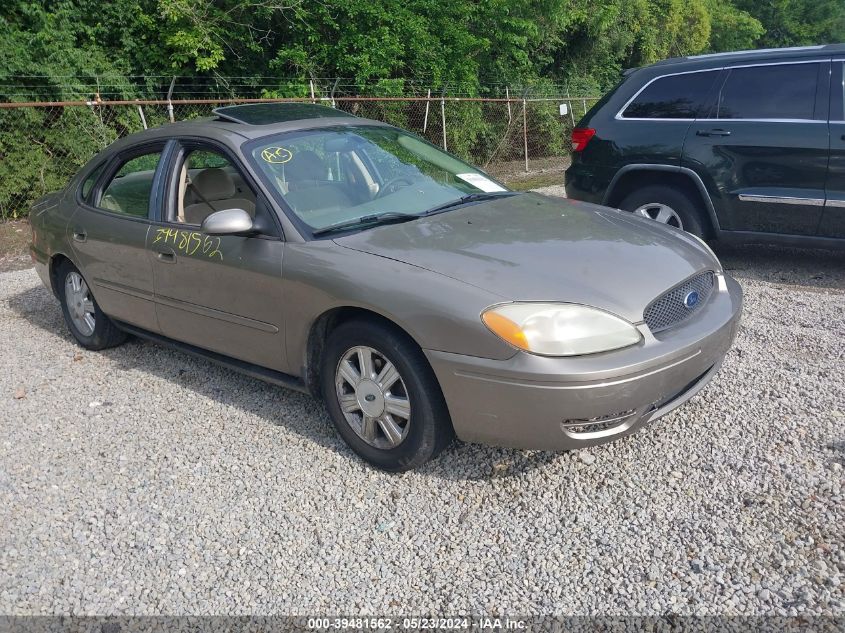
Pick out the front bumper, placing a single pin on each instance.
(534, 402)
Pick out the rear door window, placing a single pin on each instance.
(783, 91)
(672, 97)
(129, 191)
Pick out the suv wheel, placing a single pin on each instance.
(666, 205)
(91, 328)
(383, 396)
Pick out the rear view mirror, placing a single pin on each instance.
(227, 222)
(564, 109)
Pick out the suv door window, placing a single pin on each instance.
(128, 192)
(837, 93)
(672, 97)
(782, 91)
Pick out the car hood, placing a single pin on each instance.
(531, 247)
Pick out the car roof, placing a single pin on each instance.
(250, 121)
(749, 56)
(269, 113)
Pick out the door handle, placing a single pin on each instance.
(716, 132)
(167, 258)
(80, 236)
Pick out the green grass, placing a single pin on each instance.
(533, 182)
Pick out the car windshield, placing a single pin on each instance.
(348, 176)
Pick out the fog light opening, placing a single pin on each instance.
(597, 424)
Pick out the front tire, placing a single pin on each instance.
(91, 328)
(383, 396)
(666, 205)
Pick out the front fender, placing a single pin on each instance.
(438, 312)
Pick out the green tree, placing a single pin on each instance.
(732, 29)
(797, 22)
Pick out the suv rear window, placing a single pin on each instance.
(672, 97)
(784, 91)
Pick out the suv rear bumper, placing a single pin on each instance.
(586, 182)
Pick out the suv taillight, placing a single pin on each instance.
(580, 137)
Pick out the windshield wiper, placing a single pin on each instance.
(367, 220)
(470, 197)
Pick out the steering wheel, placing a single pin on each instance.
(392, 186)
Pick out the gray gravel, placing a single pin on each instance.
(142, 481)
(552, 190)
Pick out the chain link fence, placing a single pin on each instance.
(43, 143)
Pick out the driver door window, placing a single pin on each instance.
(208, 182)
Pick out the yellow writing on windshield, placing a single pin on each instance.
(276, 155)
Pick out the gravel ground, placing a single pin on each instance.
(142, 481)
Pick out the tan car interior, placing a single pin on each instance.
(204, 191)
(307, 184)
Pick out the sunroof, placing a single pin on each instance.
(266, 113)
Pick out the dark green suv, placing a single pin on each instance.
(736, 146)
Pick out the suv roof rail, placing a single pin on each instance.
(832, 48)
(753, 51)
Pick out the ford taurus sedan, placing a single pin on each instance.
(415, 294)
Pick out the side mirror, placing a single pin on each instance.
(227, 222)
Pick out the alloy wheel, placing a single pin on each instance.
(659, 212)
(373, 397)
(80, 305)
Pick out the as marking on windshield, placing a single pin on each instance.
(276, 155)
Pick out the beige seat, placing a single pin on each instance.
(214, 190)
(309, 188)
(306, 169)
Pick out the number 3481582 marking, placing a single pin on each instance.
(189, 242)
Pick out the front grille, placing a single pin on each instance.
(670, 308)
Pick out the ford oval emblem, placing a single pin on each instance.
(691, 300)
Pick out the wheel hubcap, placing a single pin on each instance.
(373, 397)
(659, 212)
(80, 305)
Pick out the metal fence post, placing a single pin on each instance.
(508, 97)
(334, 87)
(571, 113)
(311, 84)
(169, 102)
(143, 118)
(443, 116)
(525, 130)
(427, 104)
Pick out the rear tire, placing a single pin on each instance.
(667, 205)
(89, 325)
(395, 422)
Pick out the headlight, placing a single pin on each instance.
(559, 329)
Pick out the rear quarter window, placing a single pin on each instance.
(672, 97)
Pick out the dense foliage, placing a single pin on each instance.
(471, 43)
(59, 49)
